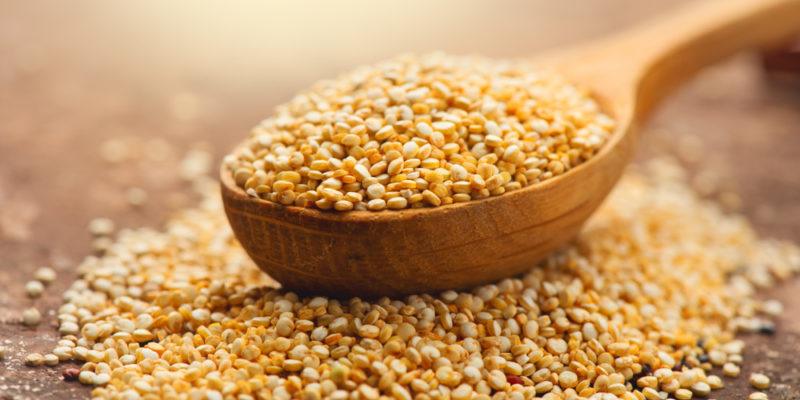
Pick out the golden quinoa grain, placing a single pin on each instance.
(34, 360)
(50, 360)
(651, 394)
(683, 394)
(421, 124)
(759, 381)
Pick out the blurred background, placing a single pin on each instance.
(101, 97)
(107, 107)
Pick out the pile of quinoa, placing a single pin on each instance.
(644, 305)
(420, 131)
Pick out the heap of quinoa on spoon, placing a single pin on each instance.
(419, 131)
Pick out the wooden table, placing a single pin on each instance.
(82, 76)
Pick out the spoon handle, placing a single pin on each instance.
(672, 49)
(657, 55)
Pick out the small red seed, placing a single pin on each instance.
(71, 374)
(513, 379)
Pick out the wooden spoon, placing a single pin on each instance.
(390, 253)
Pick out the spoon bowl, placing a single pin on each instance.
(391, 253)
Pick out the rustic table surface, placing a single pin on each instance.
(145, 82)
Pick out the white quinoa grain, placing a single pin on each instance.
(717, 357)
(87, 377)
(68, 328)
(34, 289)
(101, 226)
(714, 382)
(567, 379)
(557, 346)
(45, 275)
(136, 197)
(701, 389)
(63, 353)
(31, 317)
(772, 307)
(731, 370)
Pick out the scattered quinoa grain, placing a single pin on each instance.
(184, 310)
(63, 353)
(34, 289)
(136, 197)
(67, 327)
(759, 381)
(101, 227)
(45, 275)
(758, 396)
(772, 307)
(717, 357)
(714, 382)
(34, 360)
(731, 370)
(31, 317)
(195, 165)
(50, 360)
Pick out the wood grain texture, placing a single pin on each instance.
(73, 77)
(394, 253)
(390, 253)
